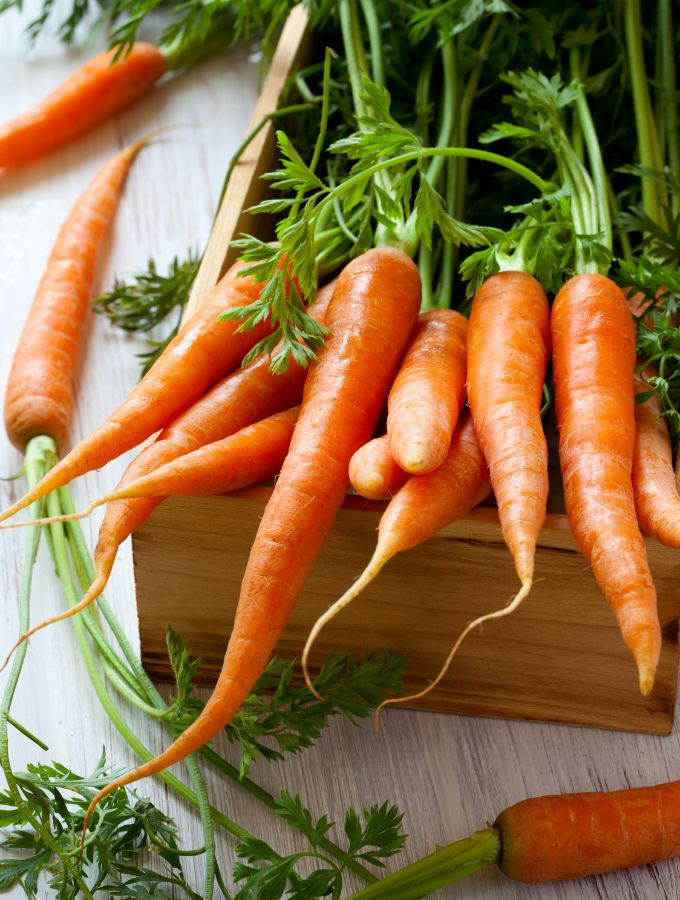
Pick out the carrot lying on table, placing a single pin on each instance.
(203, 351)
(344, 392)
(39, 393)
(553, 838)
(657, 501)
(423, 506)
(428, 392)
(373, 473)
(94, 92)
(593, 360)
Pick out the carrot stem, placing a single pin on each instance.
(444, 866)
(669, 96)
(39, 450)
(26, 733)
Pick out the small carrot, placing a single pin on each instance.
(203, 351)
(593, 360)
(508, 351)
(254, 454)
(94, 92)
(373, 473)
(657, 501)
(344, 392)
(553, 838)
(424, 505)
(39, 393)
(428, 392)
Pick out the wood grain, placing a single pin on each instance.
(560, 658)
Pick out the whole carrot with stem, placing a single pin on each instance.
(254, 454)
(424, 505)
(339, 410)
(203, 351)
(593, 360)
(373, 473)
(552, 838)
(96, 91)
(428, 392)
(657, 501)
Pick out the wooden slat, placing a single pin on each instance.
(245, 188)
(560, 658)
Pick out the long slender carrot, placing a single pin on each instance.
(593, 359)
(94, 92)
(373, 473)
(254, 454)
(657, 501)
(508, 351)
(203, 351)
(424, 505)
(237, 401)
(428, 392)
(374, 308)
(39, 393)
(552, 838)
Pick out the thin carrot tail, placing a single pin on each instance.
(57, 477)
(645, 645)
(497, 614)
(376, 563)
(90, 596)
(51, 520)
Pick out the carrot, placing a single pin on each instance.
(417, 512)
(39, 394)
(428, 392)
(203, 351)
(374, 308)
(593, 359)
(508, 351)
(373, 472)
(254, 454)
(553, 838)
(657, 501)
(238, 401)
(94, 92)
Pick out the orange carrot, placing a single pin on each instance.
(508, 351)
(428, 392)
(424, 505)
(239, 400)
(593, 359)
(551, 839)
(373, 472)
(203, 351)
(657, 501)
(574, 835)
(39, 394)
(254, 454)
(94, 92)
(374, 308)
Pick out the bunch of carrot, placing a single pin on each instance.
(463, 399)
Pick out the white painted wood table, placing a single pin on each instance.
(449, 774)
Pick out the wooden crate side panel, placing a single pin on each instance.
(560, 658)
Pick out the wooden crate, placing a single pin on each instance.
(560, 658)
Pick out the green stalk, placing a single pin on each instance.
(58, 548)
(375, 41)
(648, 144)
(594, 153)
(669, 89)
(40, 453)
(444, 866)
